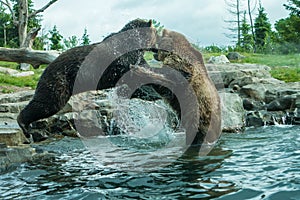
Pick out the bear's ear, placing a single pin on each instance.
(165, 33)
(150, 23)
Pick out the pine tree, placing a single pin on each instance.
(263, 30)
(288, 29)
(71, 42)
(293, 6)
(247, 41)
(85, 40)
(55, 39)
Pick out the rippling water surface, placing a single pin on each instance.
(261, 163)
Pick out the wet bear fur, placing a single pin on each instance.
(55, 86)
(176, 52)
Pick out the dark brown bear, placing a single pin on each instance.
(55, 86)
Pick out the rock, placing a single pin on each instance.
(23, 74)
(255, 91)
(242, 81)
(236, 71)
(12, 137)
(296, 121)
(24, 66)
(235, 56)
(15, 73)
(8, 71)
(281, 90)
(222, 59)
(8, 116)
(297, 103)
(13, 107)
(16, 97)
(232, 112)
(250, 104)
(254, 119)
(282, 103)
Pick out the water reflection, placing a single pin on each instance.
(74, 173)
(259, 164)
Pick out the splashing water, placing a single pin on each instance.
(142, 124)
(138, 131)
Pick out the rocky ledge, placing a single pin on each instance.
(249, 97)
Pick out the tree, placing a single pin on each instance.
(4, 18)
(20, 17)
(85, 40)
(234, 8)
(40, 42)
(251, 5)
(158, 26)
(288, 29)
(55, 39)
(293, 6)
(71, 42)
(247, 42)
(25, 22)
(263, 30)
(33, 57)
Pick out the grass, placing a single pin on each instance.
(28, 81)
(283, 67)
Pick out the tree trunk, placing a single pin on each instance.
(23, 23)
(25, 38)
(23, 55)
(238, 22)
(251, 23)
(4, 35)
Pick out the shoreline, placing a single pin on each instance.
(250, 97)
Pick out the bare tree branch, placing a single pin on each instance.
(42, 9)
(24, 55)
(31, 35)
(8, 5)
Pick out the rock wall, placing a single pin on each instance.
(265, 100)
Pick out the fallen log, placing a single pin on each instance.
(25, 55)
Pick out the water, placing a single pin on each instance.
(262, 163)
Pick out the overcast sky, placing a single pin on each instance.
(201, 21)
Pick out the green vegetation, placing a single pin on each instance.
(273, 60)
(283, 67)
(28, 81)
(286, 74)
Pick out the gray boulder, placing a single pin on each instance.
(222, 59)
(254, 119)
(251, 104)
(235, 72)
(232, 112)
(235, 56)
(16, 97)
(256, 91)
(283, 103)
(8, 71)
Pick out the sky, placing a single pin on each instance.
(201, 21)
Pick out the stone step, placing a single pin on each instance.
(13, 107)
(12, 137)
(8, 116)
(16, 97)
